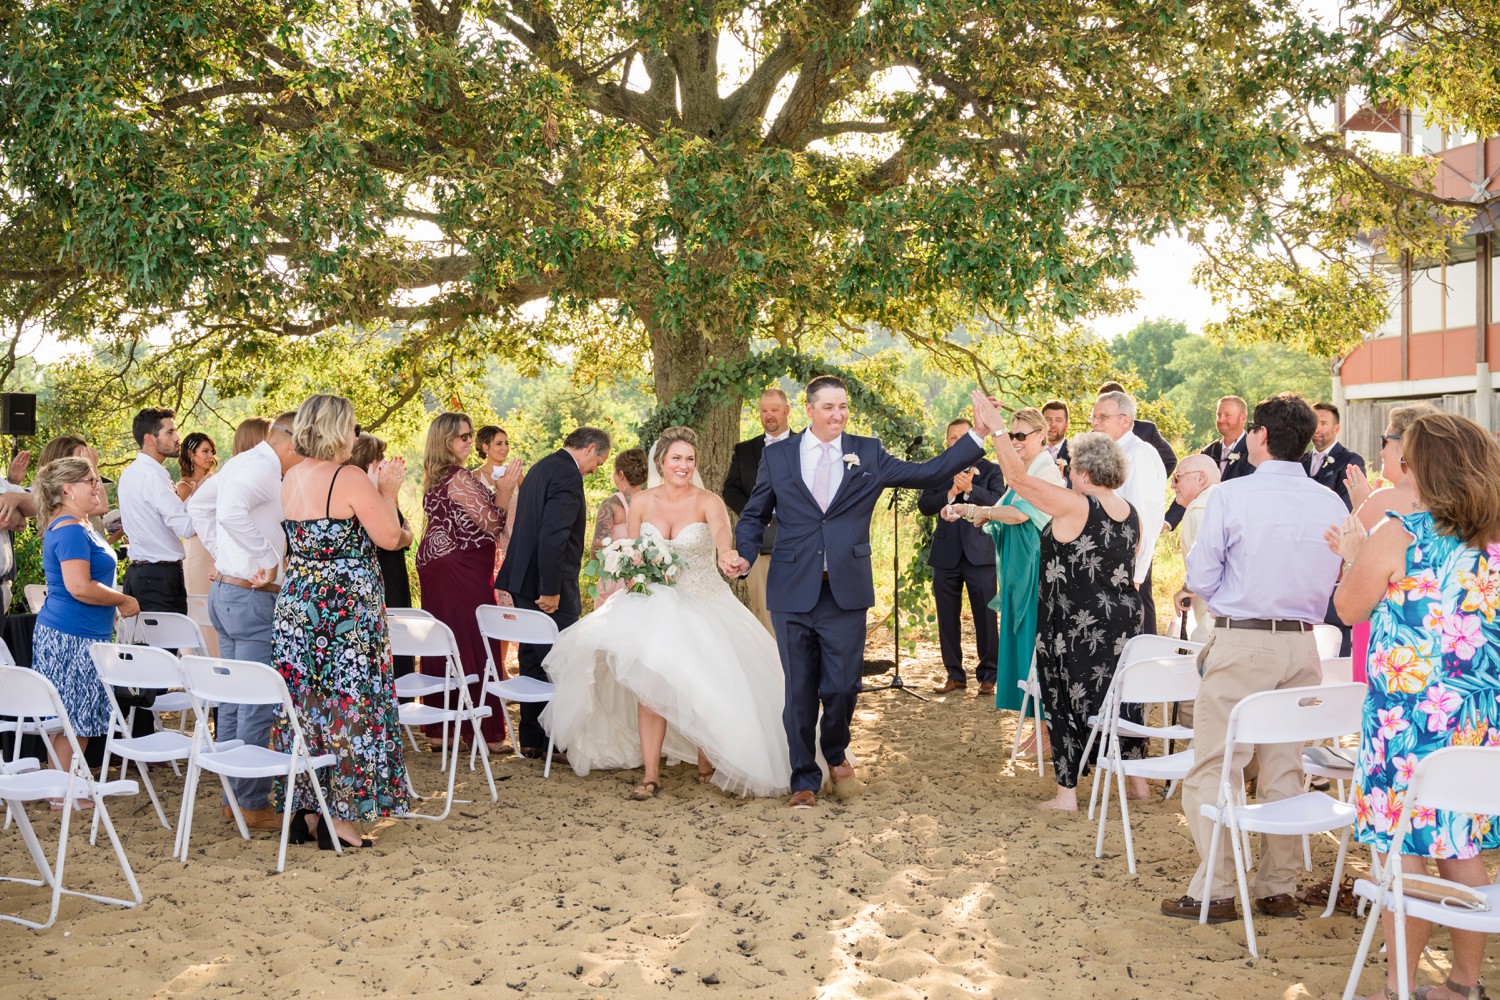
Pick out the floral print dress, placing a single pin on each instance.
(1087, 609)
(1434, 677)
(332, 646)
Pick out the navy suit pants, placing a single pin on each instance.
(822, 656)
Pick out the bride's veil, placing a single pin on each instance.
(653, 478)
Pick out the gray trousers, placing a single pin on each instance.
(243, 620)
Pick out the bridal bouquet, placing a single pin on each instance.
(636, 563)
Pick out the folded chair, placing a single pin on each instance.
(27, 694)
(1031, 697)
(1454, 779)
(212, 679)
(516, 625)
(412, 636)
(1289, 715)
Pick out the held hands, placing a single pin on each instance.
(987, 416)
(973, 513)
(732, 564)
(389, 477)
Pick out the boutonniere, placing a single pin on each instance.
(1234, 456)
(851, 461)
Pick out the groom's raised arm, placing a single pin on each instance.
(933, 473)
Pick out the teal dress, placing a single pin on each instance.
(1017, 564)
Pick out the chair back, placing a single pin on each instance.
(1159, 680)
(168, 630)
(515, 625)
(1297, 715)
(26, 694)
(420, 637)
(198, 611)
(120, 665)
(1149, 645)
(6, 659)
(407, 613)
(1338, 670)
(1458, 779)
(1329, 641)
(36, 596)
(237, 682)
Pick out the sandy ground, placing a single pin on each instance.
(939, 881)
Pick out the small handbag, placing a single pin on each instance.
(1443, 892)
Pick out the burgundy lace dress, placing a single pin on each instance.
(455, 565)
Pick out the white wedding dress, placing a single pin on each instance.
(692, 654)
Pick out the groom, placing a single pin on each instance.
(822, 485)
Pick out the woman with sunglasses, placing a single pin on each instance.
(456, 559)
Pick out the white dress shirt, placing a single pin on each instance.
(1146, 489)
(239, 519)
(153, 518)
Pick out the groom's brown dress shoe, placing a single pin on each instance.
(950, 685)
(802, 800)
(1219, 910)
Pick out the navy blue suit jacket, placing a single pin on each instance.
(953, 541)
(804, 532)
(1335, 465)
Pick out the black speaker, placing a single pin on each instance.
(18, 414)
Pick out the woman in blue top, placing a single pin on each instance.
(80, 607)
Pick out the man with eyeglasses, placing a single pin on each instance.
(1145, 487)
(963, 557)
(237, 514)
(1195, 480)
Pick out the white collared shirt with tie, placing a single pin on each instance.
(812, 454)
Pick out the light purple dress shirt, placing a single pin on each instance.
(1260, 551)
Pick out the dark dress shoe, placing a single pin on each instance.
(950, 686)
(1282, 905)
(987, 689)
(802, 800)
(1219, 910)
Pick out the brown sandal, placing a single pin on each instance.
(1471, 992)
(645, 790)
(706, 777)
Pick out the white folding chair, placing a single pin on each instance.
(119, 665)
(36, 596)
(1329, 641)
(1161, 680)
(28, 694)
(407, 613)
(412, 636)
(423, 686)
(198, 611)
(169, 630)
(1138, 647)
(1289, 715)
(517, 625)
(1031, 695)
(212, 679)
(1454, 779)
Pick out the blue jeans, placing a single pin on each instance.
(243, 620)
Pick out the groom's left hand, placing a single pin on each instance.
(733, 564)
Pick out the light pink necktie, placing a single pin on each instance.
(822, 474)
(1317, 463)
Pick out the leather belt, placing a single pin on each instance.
(235, 581)
(1263, 624)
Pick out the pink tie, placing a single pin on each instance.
(821, 476)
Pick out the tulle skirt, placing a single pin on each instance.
(703, 663)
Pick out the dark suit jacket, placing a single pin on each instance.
(739, 482)
(808, 535)
(953, 541)
(546, 542)
(1335, 465)
(1147, 432)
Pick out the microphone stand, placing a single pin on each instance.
(876, 667)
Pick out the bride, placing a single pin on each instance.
(684, 670)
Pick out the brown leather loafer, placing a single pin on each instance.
(802, 800)
(986, 689)
(948, 686)
(1219, 910)
(1282, 905)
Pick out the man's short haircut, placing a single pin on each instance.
(588, 437)
(1055, 404)
(148, 421)
(1238, 400)
(283, 423)
(1289, 424)
(1111, 387)
(959, 422)
(777, 391)
(1124, 400)
(822, 382)
(1328, 408)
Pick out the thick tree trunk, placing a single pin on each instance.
(677, 361)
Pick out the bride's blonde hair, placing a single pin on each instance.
(669, 437)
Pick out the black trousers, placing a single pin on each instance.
(948, 585)
(530, 656)
(156, 587)
(1148, 607)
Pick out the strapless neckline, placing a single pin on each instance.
(677, 537)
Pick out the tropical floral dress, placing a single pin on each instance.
(1087, 609)
(1434, 677)
(332, 646)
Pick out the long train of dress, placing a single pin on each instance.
(692, 654)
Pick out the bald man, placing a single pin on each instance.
(1192, 482)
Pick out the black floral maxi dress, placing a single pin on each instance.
(1087, 608)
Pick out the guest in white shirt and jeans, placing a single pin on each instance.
(238, 516)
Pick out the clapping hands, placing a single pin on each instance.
(388, 479)
(987, 416)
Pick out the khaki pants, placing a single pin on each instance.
(1237, 663)
(756, 580)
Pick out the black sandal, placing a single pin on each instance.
(325, 838)
(299, 832)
